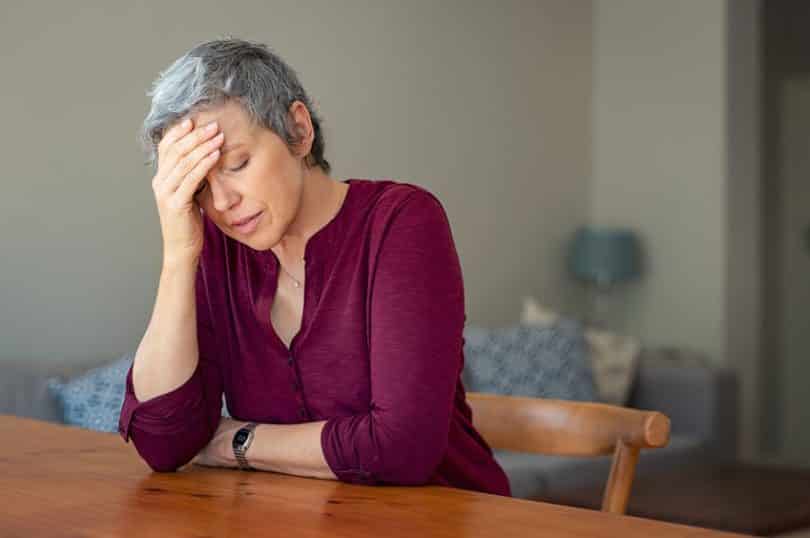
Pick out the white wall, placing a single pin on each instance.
(659, 160)
(676, 157)
(487, 104)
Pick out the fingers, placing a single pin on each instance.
(177, 176)
(178, 142)
(187, 143)
(186, 156)
(185, 192)
(172, 135)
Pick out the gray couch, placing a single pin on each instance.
(701, 402)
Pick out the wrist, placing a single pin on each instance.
(180, 263)
(243, 439)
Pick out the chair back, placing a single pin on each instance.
(567, 428)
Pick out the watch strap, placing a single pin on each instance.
(240, 449)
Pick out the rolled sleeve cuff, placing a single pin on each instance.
(164, 414)
(333, 448)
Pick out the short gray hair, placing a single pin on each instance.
(216, 71)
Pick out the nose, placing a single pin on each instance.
(223, 197)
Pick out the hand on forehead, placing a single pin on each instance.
(229, 116)
(231, 120)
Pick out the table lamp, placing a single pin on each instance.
(603, 258)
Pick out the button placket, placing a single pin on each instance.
(296, 385)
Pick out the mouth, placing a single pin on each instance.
(247, 224)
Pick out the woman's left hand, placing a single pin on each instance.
(219, 451)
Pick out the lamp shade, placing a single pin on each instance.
(605, 256)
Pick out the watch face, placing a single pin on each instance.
(241, 437)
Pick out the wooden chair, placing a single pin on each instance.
(569, 428)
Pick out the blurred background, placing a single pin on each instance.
(681, 124)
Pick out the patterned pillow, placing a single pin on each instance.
(540, 362)
(93, 400)
(614, 358)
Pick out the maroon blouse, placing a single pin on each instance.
(378, 356)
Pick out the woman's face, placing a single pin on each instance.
(256, 174)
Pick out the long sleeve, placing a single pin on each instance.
(417, 317)
(170, 429)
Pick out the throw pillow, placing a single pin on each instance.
(539, 362)
(613, 357)
(94, 399)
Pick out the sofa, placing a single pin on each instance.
(700, 400)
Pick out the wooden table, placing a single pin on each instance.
(62, 481)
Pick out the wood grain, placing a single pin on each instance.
(64, 481)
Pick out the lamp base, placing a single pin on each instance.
(599, 315)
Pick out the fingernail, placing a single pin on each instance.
(186, 122)
(211, 126)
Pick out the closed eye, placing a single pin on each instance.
(240, 166)
(203, 184)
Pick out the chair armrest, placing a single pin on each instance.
(564, 427)
(700, 400)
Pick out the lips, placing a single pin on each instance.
(240, 222)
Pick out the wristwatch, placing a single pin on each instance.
(241, 442)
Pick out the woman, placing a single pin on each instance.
(330, 313)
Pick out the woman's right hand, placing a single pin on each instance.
(184, 158)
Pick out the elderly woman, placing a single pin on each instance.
(329, 312)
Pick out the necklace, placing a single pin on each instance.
(296, 282)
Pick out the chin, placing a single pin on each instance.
(263, 240)
(254, 242)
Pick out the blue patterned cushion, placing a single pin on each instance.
(523, 360)
(93, 400)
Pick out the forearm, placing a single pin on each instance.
(408, 457)
(293, 449)
(168, 352)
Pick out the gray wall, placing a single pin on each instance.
(487, 104)
(786, 216)
(676, 157)
(794, 284)
(659, 161)
(743, 302)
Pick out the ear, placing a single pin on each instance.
(302, 128)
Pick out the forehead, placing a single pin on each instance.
(231, 117)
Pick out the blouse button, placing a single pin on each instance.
(302, 412)
(290, 360)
